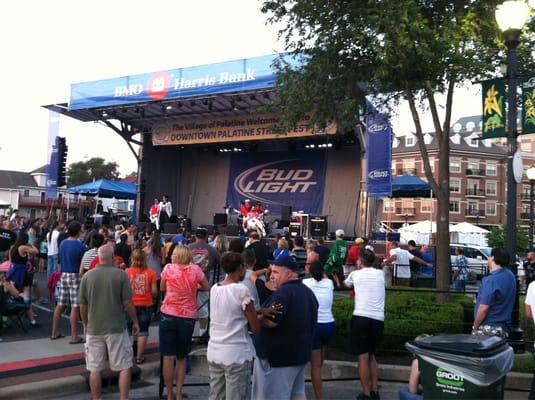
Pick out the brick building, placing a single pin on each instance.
(478, 178)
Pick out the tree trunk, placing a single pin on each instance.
(443, 216)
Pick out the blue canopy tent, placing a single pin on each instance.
(106, 188)
(410, 186)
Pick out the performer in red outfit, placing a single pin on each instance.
(154, 213)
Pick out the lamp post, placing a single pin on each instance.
(511, 16)
(531, 176)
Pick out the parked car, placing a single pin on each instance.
(477, 257)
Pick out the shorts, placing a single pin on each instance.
(366, 334)
(277, 383)
(323, 333)
(116, 347)
(68, 286)
(203, 302)
(175, 335)
(143, 318)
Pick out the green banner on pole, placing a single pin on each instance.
(528, 105)
(493, 108)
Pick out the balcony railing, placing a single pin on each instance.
(475, 172)
(525, 196)
(525, 215)
(405, 211)
(406, 171)
(473, 213)
(475, 192)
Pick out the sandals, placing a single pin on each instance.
(57, 337)
(140, 360)
(78, 340)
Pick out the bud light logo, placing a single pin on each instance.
(378, 174)
(378, 127)
(265, 181)
(158, 85)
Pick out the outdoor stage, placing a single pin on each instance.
(206, 141)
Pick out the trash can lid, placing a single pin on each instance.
(463, 344)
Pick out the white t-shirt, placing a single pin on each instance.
(324, 292)
(402, 268)
(230, 342)
(530, 297)
(53, 243)
(369, 285)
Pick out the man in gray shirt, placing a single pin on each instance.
(104, 296)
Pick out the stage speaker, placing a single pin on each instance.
(169, 227)
(220, 219)
(318, 227)
(233, 230)
(295, 229)
(286, 214)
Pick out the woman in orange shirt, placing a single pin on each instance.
(144, 291)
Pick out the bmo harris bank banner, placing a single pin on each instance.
(278, 178)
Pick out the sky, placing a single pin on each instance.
(47, 45)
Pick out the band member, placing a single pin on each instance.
(244, 211)
(154, 213)
(166, 210)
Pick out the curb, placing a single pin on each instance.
(50, 389)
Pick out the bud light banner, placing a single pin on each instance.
(275, 179)
(379, 147)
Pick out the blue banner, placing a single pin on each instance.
(379, 155)
(232, 76)
(276, 179)
(51, 191)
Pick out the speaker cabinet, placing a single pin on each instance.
(286, 214)
(318, 227)
(220, 219)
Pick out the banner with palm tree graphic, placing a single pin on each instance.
(493, 108)
(528, 105)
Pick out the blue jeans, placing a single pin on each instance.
(143, 317)
(52, 265)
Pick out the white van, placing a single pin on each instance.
(477, 257)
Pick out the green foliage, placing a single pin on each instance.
(407, 315)
(497, 237)
(94, 168)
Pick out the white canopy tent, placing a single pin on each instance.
(419, 232)
(467, 233)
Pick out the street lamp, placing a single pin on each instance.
(511, 16)
(531, 176)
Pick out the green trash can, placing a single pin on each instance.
(460, 366)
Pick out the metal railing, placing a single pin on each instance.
(475, 192)
(475, 172)
(406, 211)
(470, 212)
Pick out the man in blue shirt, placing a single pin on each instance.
(71, 252)
(284, 345)
(496, 297)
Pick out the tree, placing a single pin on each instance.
(387, 51)
(496, 238)
(94, 168)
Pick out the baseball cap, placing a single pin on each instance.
(339, 232)
(359, 240)
(285, 260)
(201, 233)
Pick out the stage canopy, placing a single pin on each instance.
(106, 188)
(410, 186)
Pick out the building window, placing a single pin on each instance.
(490, 208)
(26, 193)
(425, 206)
(408, 167)
(473, 165)
(490, 188)
(491, 169)
(455, 186)
(455, 165)
(409, 141)
(454, 206)
(388, 205)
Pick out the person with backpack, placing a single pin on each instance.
(459, 271)
(334, 267)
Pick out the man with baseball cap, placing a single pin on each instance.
(334, 267)
(284, 345)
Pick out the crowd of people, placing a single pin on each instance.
(265, 311)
